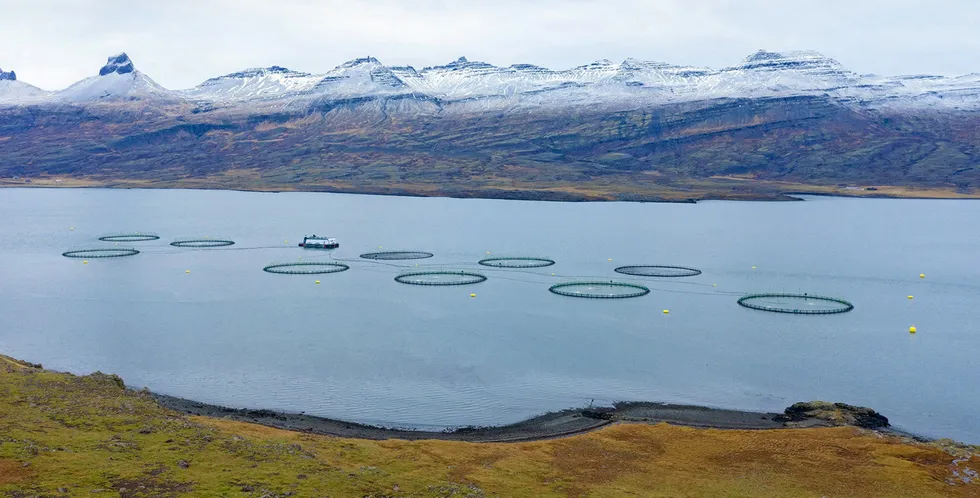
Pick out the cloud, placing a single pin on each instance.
(183, 42)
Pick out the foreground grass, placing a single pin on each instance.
(64, 435)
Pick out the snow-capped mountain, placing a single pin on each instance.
(17, 92)
(117, 80)
(471, 86)
(365, 76)
(477, 85)
(621, 130)
(356, 78)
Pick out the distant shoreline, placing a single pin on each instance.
(537, 195)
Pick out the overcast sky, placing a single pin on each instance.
(179, 43)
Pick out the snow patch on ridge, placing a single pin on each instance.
(253, 84)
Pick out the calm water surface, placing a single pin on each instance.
(362, 347)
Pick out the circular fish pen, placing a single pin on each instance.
(202, 243)
(516, 262)
(100, 253)
(797, 304)
(306, 268)
(658, 271)
(129, 237)
(440, 278)
(599, 290)
(396, 255)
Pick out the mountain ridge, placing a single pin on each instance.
(635, 130)
(763, 73)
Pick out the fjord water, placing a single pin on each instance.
(362, 347)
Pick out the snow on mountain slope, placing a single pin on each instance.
(925, 92)
(462, 79)
(256, 83)
(772, 73)
(117, 80)
(359, 77)
(634, 82)
(18, 92)
(471, 86)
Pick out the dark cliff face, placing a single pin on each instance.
(119, 64)
(7, 75)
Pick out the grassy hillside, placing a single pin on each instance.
(65, 435)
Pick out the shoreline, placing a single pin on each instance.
(539, 195)
(551, 425)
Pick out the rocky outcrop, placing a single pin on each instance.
(119, 64)
(835, 414)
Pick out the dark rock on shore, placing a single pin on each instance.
(834, 413)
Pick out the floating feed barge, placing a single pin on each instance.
(314, 242)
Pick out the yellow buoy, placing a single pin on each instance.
(472, 295)
(285, 242)
(753, 267)
(714, 285)
(910, 297)
(666, 311)
(912, 329)
(317, 282)
(187, 271)
(922, 275)
(488, 252)
(84, 262)
(552, 274)
(72, 228)
(610, 259)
